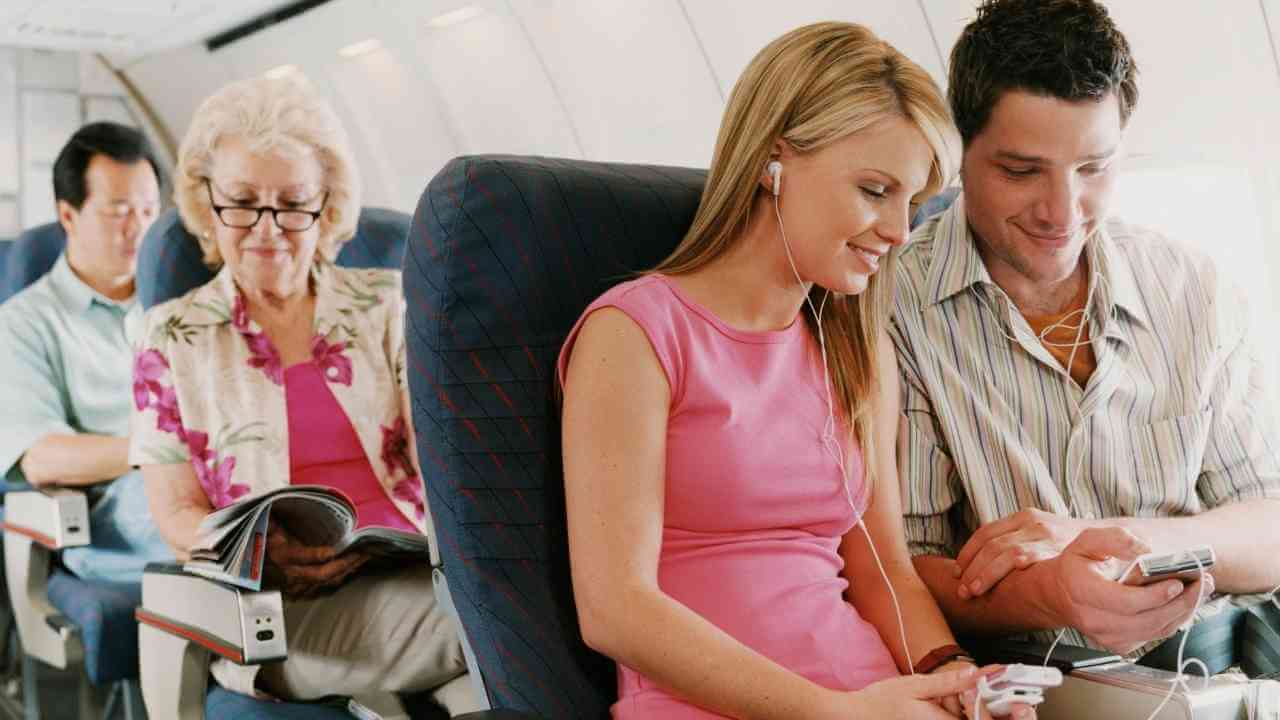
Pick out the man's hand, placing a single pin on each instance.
(1012, 543)
(308, 569)
(1078, 585)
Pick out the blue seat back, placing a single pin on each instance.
(30, 257)
(6, 244)
(170, 264)
(504, 255)
(935, 205)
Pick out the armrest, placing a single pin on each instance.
(37, 524)
(243, 626)
(55, 519)
(1097, 679)
(186, 617)
(498, 715)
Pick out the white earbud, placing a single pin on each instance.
(775, 171)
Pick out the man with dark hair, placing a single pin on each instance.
(1076, 391)
(65, 371)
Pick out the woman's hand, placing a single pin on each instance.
(309, 569)
(954, 704)
(963, 705)
(910, 697)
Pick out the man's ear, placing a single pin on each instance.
(67, 216)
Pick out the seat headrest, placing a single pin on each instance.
(935, 205)
(31, 256)
(170, 264)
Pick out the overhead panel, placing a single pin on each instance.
(632, 75)
(126, 29)
(733, 31)
(496, 94)
(46, 69)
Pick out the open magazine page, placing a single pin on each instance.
(388, 541)
(321, 518)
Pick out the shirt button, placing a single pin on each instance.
(332, 373)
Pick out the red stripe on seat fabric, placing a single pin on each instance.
(563, 710)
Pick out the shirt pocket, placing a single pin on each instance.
(1167, 457)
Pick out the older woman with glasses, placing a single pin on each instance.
(286, 369)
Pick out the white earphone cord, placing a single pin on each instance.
(828, 434)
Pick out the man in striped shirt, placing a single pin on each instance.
(1074, 390)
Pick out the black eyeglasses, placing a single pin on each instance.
(242, 218)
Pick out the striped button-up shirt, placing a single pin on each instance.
(1175, 420)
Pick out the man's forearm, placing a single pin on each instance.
(1243, 536)
(1016, 604)
(75, 460)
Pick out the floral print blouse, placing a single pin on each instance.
(208, 386)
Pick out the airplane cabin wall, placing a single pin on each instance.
(645, 81)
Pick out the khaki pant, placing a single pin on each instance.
(380, 633)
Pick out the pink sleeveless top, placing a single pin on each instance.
(325, 450)
(755, 509)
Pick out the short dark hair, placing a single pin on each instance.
(118, 142)
(1067, 49)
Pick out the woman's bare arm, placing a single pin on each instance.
(883, 518)
(177, 504)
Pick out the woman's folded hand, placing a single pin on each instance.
(307, 570)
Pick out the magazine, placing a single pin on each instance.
(231, 543)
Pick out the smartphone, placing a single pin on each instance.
(1185, 565)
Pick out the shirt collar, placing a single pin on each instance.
(75, 295)
(219, 295)
(955, 264)
(1121, 286)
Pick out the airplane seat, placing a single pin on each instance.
(176, 642)
(6, 244)
(61, 620)
(32, 255)
(504, 255)
(169, 262)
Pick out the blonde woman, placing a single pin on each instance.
(721, 442)
(286, 369)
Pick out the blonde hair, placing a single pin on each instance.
(283, 114)
(813, 86)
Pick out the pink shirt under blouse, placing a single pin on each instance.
(325, 450)
(754, 506)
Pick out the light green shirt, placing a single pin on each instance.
(66, 364)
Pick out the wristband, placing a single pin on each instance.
(940, 656)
